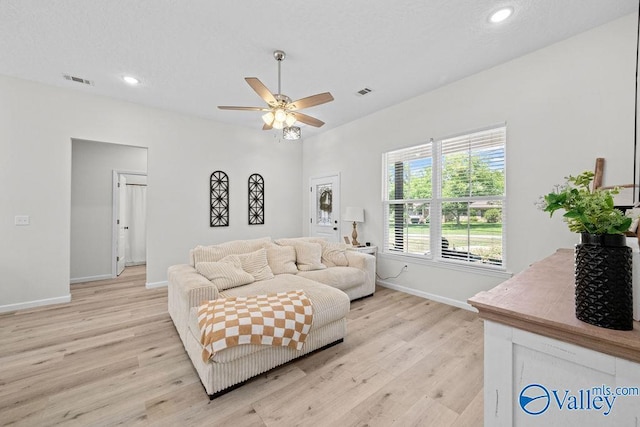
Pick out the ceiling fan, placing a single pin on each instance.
(282, 113)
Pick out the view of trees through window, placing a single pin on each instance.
(463, 210)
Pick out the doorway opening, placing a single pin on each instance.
(129, 235)
(92, 210)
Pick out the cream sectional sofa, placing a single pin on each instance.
(328, 274)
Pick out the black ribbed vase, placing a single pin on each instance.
(604, 281)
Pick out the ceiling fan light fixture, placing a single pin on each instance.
(291, 133)
(268, 118)
(280, 115)
(280, 108)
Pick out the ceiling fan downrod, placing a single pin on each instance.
(279, 55)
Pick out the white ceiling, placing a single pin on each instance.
(193, 55)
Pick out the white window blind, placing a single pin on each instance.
(445, 199)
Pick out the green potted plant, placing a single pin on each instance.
(587, 211)
(603, 262)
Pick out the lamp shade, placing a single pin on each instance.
(268, 118)
(280, 115)
(352, 214)
(290, 120)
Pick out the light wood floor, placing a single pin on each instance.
(112, 356)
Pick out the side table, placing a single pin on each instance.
(373, 250)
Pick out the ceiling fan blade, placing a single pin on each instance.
(312, 121)
(310, 101)
(228, 107)
(262, 90)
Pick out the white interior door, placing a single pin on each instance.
(324, 209)
(122, 227)
(135, 222)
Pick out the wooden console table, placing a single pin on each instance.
(533, 337)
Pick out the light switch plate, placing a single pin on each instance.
(22, 220)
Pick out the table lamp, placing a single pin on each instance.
(354, 215)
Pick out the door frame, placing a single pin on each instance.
(337, 214)
(115, 205)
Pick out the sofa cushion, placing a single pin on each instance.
(329, 305)
(255, 263)
(328, 302)
(338, 277)
(292, 241)
(217, 252)
(309, 256)
(334, 254)
(281, 259)
(226, 273)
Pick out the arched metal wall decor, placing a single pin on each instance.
(219, 193)
(256, 199)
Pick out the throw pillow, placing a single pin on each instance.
(217, 252)
(281, 259)
(226, 273)
(334, 254)
(255, 263)
(309, 256)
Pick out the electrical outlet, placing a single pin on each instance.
(21, 220)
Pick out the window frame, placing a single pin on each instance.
(436, 202)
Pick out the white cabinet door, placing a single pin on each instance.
(532, 380)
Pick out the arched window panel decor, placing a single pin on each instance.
(256, 199)
(219, 192)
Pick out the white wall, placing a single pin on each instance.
(92, 165)
(37, 123)
(564, 106)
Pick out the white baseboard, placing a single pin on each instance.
(36, 303)
(154, 285)
(427, 295)
(134, 264)
(90, 278)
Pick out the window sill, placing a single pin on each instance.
(484, 269)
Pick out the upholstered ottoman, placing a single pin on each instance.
(235, 365)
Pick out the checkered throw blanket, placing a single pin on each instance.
(281, 319)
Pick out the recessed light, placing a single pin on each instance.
(501, 15)
(131, 80)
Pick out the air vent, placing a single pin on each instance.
(78, 79)
(364, 91)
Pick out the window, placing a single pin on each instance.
(445, 199)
